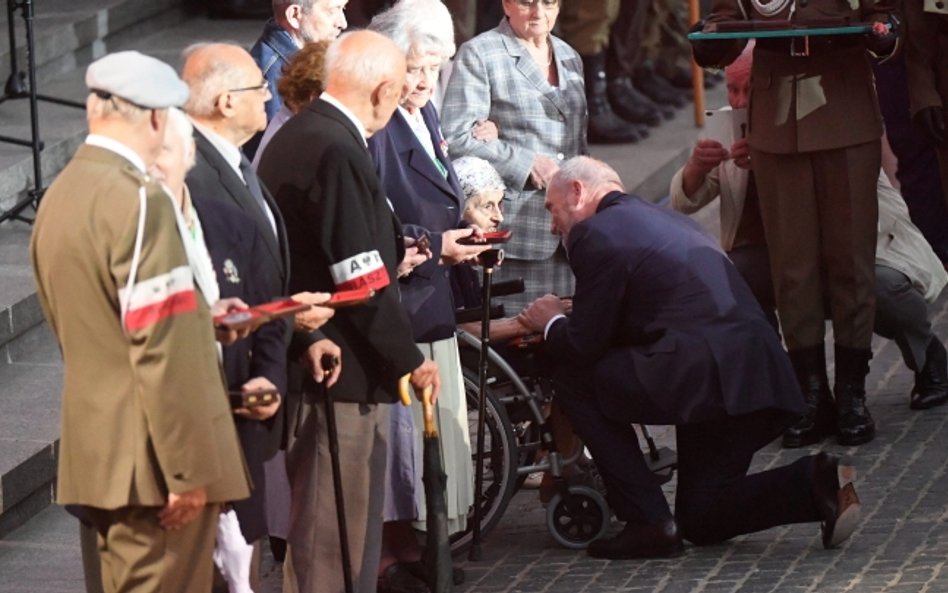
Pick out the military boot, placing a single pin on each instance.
(604, 126)
(631, 105)
(819, 421)
(853, 423)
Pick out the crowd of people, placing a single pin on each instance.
(326, 160)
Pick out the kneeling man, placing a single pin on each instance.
(664, 331)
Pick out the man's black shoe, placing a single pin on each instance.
(397, 578)
(835, 498)
(931, 383)
(637, 540)
(420, 570)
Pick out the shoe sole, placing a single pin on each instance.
(848, 501)
(851, 442)
(921, 404)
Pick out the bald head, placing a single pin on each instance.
(365, 71)
(228, 90)
(737, 77)
(576, 189)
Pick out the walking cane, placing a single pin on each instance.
(329, 362)
(489, 260)
(437, 558)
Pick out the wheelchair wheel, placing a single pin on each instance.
(500, 463)
(578, 518)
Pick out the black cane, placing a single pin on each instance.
(329, 362)
(488, 260)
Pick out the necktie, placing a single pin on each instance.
(253, 184)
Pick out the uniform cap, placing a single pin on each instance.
(137, 78)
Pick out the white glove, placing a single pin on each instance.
(232, 554)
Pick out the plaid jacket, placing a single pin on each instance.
(494, 78)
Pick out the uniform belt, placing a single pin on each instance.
(809, 46)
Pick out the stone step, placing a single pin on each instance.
(62, 128)
(30, 385)
(19, 308)
(30, 369)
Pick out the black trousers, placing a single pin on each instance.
(716, 499)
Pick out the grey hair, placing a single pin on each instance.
(178, 123)
(209, 83)
(280, 6)
(591, 172)
(418, 27)
(367, 68)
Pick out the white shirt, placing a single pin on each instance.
(347, 112)
(229, 152)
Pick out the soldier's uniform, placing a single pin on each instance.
(144, 411)
(815, 151)
(926, 61)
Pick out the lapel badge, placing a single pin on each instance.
(230, 272)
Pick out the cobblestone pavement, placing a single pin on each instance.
(901, 545)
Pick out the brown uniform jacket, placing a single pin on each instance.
(801, 104)
(926, 52)
(144, 410)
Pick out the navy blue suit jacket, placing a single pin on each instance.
(670, 329)
(426, 202)
(240, 262)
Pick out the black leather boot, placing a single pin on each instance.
(931, 382)
(631, 105)
(604, 127)
(809, 365)
(655, 88)
(853, 422)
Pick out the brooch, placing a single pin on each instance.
(230, 272)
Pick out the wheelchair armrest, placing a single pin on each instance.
(474, 314)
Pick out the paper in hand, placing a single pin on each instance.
(725, 126)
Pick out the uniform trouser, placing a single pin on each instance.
(820, 212)
(901, 310)
(137, 555)
(662, 37)
(585, 24)
(626, 38)
(918, 162)
(464, 14)
(313, 560)
(716, 499)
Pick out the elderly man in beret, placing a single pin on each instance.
(148, 448)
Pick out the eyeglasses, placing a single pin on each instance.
(263, 86)
(549, 4)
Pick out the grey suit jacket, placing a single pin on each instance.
(494, 78)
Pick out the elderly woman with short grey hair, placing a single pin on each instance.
(419, 180)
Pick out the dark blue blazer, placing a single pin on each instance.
(670, 329)
(426, 202)
(240, 262)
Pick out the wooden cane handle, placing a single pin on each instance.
(431, 429)
(403, 394)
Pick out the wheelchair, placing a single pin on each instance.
(517, 430)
